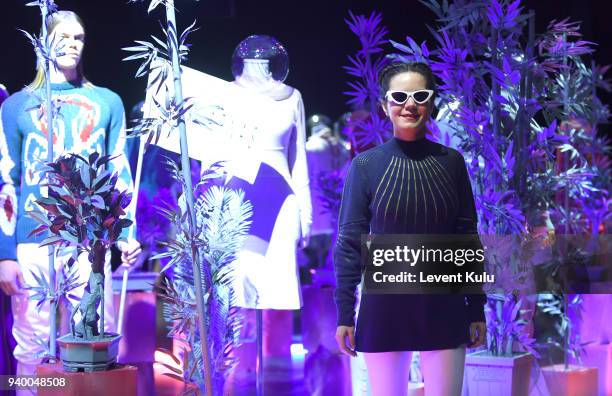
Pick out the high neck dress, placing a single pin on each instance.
(404, 187)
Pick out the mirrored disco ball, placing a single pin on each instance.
(261, 47)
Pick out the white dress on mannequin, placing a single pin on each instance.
(259, 131)
(267, 272)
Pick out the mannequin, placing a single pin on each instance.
(326, 154)
(280, 193)
(259, 132)
(267, 275)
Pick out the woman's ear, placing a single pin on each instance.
(383, 104)
(433, 110)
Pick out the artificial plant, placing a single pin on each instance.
(84, 213)
(364, 94)
(506, 322)
(202, 252)
(222, 223)
(507, 105)
(581, 176)
(172, 52)
(47, 50)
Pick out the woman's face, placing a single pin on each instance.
(70, 36)
(409, 118)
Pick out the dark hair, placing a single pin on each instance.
(395, 68)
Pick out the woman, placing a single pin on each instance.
(90, 119)
(408, 185)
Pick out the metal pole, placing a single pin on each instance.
(132, 231)
(186, 168)
(259, 384)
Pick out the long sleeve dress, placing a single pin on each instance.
(404, 187)
(267, 275)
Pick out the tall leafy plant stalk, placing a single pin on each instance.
(47, 50)
(494, 93)
(478, 61)
(171, 53)
(84, 213)
(365, 66)
(582, 168)
(222, 223)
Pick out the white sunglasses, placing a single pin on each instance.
(400, 97)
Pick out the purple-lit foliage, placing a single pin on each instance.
(200, 301)
(580, 176)
(329, 187)
(568, 313)
(365, 66)
(222, 223)
(506, 322)
(525, 112)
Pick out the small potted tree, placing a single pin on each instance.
(84, 213)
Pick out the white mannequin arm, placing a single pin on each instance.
(299, 172)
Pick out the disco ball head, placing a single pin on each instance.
(265, 51)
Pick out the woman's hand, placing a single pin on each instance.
(478, 333)
(342, 332)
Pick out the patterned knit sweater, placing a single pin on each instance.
(90, 119)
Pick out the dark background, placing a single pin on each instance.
(313, 31)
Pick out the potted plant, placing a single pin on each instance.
(84, 213)
(581, 201)
(566, 378)
(502, 368)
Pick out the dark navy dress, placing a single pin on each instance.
(401, 187)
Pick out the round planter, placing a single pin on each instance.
(89, 355)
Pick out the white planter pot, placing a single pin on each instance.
(575, 381)
(498, 375)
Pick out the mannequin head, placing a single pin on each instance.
(320, 125)
(256, 75)
(257, 69)
(407, 94)
(67, 31)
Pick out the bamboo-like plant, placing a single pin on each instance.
(581, 177)
(365, 66)
(47, 50)
(222, 223)
(506, 321)
(208, 232)
(173, 51)
(494, 91)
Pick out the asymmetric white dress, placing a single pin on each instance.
(262, 139)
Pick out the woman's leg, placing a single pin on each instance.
(388, 372)
(443, 371)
